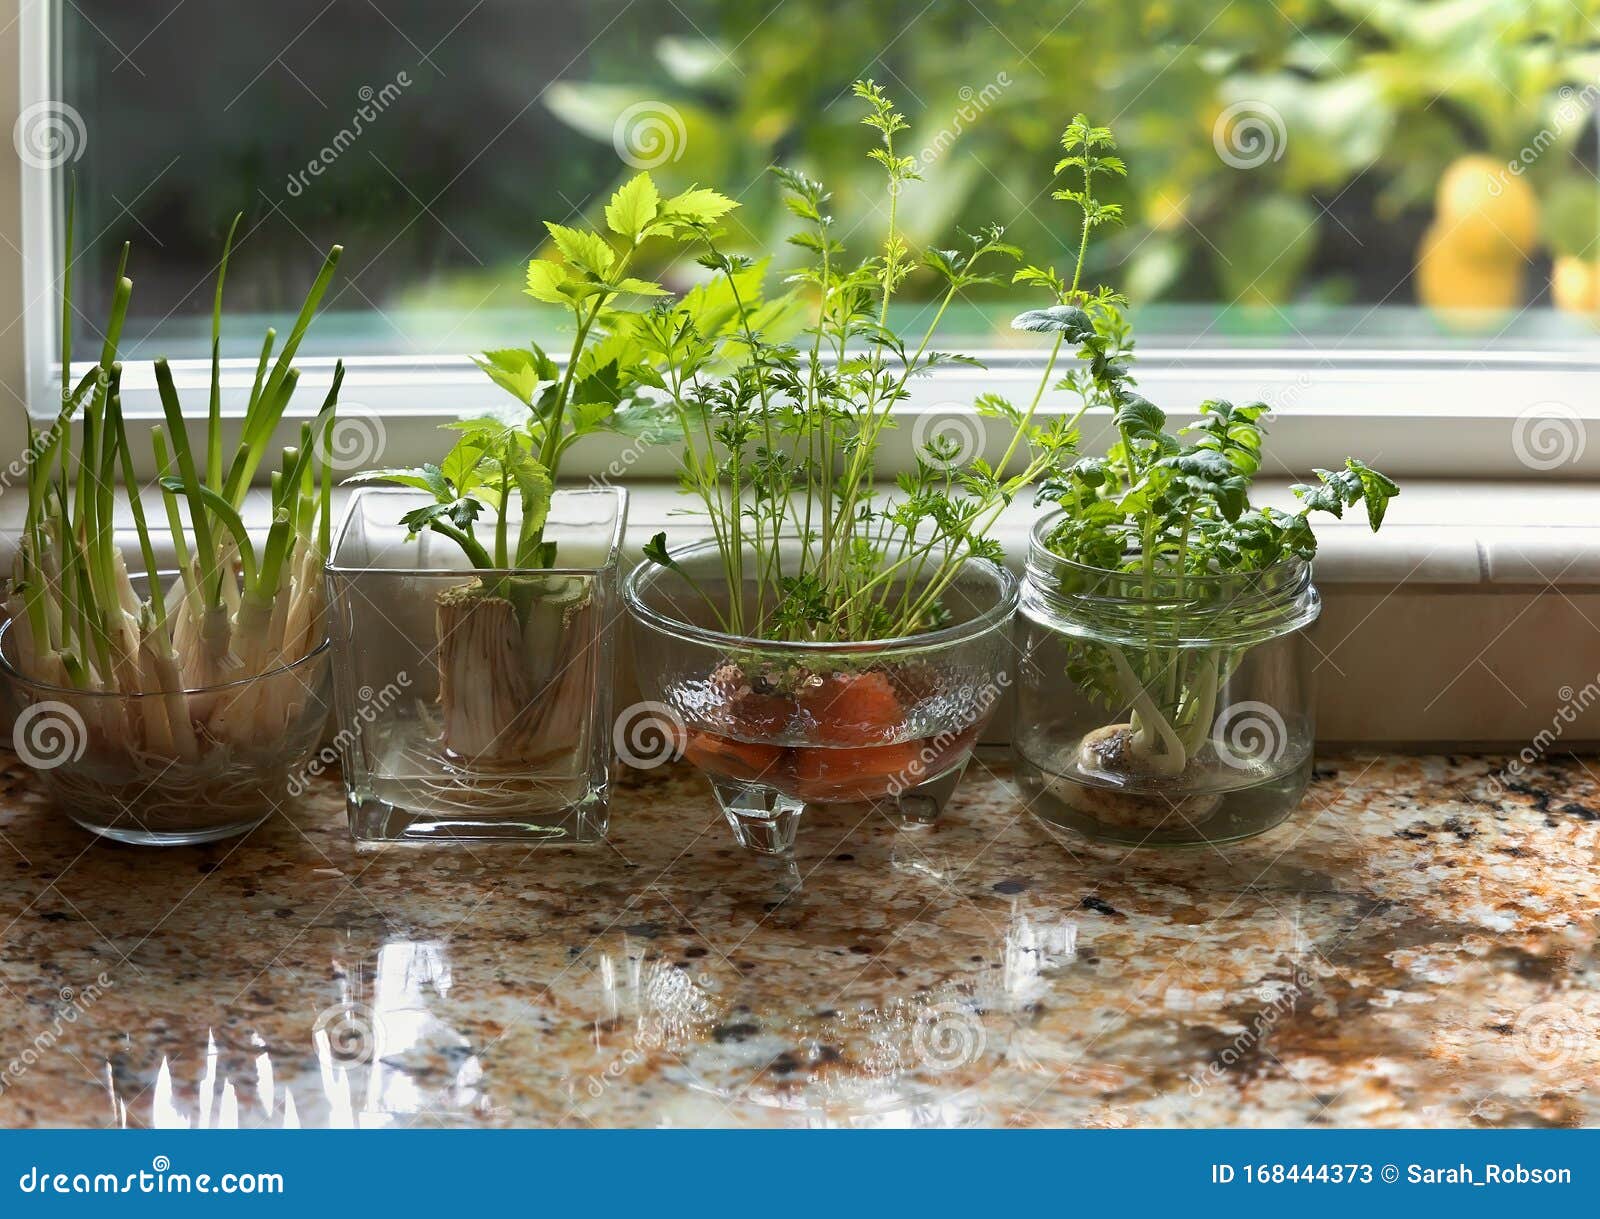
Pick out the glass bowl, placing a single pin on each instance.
(777, 726)
(97, 760)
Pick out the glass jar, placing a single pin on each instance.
(474, 705)
(777, 726)
(1163, 710)
(113, 763)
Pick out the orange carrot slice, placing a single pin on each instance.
(720, 755)
(762, 714)
(853, 708)
(861, 773)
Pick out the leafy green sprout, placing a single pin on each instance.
(80, 622)
(491, 493)
(1171, 509)
(782, 434)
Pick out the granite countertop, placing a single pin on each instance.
(1408, 950)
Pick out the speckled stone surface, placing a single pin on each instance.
(1408, 950)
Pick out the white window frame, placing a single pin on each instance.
(1417, 413)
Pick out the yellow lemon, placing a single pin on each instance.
(1491, 211)
(1575, 284)
(1451, 277)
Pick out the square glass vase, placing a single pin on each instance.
(474, 705)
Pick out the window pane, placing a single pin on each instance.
(1399, 172)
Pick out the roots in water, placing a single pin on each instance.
(515, 693)
(226, 785)
(1108, 755)
(486, 693)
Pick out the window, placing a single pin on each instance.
(1388, 208)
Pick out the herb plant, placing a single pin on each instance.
(782, 432)
(1170, 510)
(516, 646)
(501, 470)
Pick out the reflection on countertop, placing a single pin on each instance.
(1411, 949)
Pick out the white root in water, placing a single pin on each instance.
(1154, 797)
(1148, 756)
(508, 690)
(484, 686)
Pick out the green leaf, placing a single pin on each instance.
(698, 205)
(586, 250)
(600, 385)
(589, 416)
(545, 279)
(633, 207)
(535, 486)
(1376, 490)
(1323, 497)
(994, 406)
(463, 512)
(1071, 320)
(1139, 417)
(656, 551)
(639, 287)
(517, 371)
(462, 464)
(425, 477)
(460, 513)
(1041, 278)
(1205, 464)
(419, 519)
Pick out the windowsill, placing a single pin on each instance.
(1469, 621)
(1506, 415)
(1445, 532)
(1438, 532)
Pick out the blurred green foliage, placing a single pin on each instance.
(1283, 154)
(1339, 117)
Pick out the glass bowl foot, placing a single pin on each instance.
(919, 807)
(913, 810)
(764, 820)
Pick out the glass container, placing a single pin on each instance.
(114, 764)
(777, 726)
(474, 705)
(1163, 710)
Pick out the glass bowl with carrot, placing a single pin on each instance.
(845, 633)
(779, 724)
